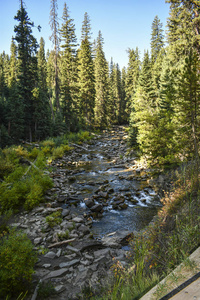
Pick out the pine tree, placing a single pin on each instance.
(184, 25)
(68, 69)
(26, 49)
(101, 84)
(132, 76)
(15, 112)
(124, 116)
(86, 75)
(183, 37)
(116, 87)
(143, 118)
(54, 24)
(51, 81)
(187, 106)
(157, 38)
(42, 113)
(4, 90)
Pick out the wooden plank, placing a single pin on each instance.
(191, 291)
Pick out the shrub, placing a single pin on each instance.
(58, 152)
(34, 153)
(48, 143)
(6, 167)
(17, 260)
(54, 219)
(18, 190)
(84, 136)
(20, 151)
(46, 150)
(46, 289)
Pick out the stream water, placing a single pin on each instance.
(99, 172)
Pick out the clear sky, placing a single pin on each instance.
(124, 23)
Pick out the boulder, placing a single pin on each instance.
(134, 201)
(56, 273)
(116, 239)
(89, 202)
(96, 208)
(84, 229)
(69, 263)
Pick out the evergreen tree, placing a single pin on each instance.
(157, 38)
(54, 24)
(132, 76)
(124, 116)
(68, 69)
(183, 37)
(51, 81)
(184, 25)
(15, 113)
(26, 49)
(3, 99)
(86, 74)
(142, 119)
(117, 94)
(101, 84)
(42, 113)
(187, 107)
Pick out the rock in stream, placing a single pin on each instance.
(95, 190)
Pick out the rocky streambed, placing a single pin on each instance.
(100, 197)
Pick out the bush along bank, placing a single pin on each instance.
(24, 179)
(165, 243)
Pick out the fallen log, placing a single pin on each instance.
(61, 243)
(83, 148)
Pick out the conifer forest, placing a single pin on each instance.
(73, 87)
(81, 138)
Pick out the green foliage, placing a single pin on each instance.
(46, 289)
(34, 153)
(83, 136)
(54, 219)
(24, 186)
(17, 261)
(86, 77)
(6, 167)
(101, 84)
(63, 236)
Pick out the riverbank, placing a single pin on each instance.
(99, 198)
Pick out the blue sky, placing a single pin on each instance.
(124, 23)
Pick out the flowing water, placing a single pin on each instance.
(99, 172)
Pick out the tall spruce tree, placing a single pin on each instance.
(132, 76)
(184, 25)
(4, 90)
(124, 116)
(187, 107)
(157, 38)
(183, 37)
(144, 108)
(15, 114)
(86, 75)
(27, 63)
(68, 69)
(101, 84)
(42, 113)
(117, 94)
(54, 24)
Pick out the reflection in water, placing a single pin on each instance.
(133, 219)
